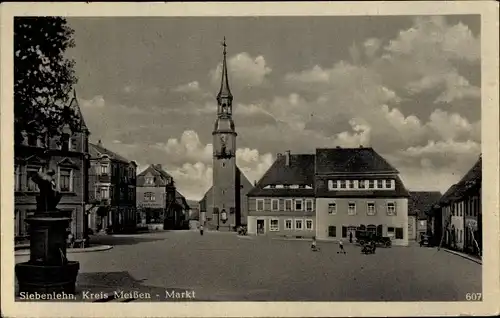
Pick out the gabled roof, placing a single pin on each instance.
(96, 150)
(156, 171)
(420, 203)
(448, 195)
(472, 178)
(300, 171)
(75, 106)
(351, 161)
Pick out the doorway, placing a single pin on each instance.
(261, 226)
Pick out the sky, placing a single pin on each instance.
(408, 86)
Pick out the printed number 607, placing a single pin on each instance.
(473, 296)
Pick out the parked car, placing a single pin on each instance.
(363, 237)
(425, 240)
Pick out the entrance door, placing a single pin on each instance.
(351, 233)
(261, 226)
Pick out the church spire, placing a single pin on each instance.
(224, 85)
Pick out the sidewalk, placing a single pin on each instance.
(96, 248)
(472, 258)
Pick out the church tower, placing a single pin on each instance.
(225, 202)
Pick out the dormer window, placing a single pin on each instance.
(149, 180)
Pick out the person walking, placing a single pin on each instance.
(314, 247)
(341, 246)
(201, 229)
(350, 237)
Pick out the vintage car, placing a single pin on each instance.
(363, 237)
(425, 240)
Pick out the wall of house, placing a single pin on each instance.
(72, 202)
(282, 215)
(342, 218)
(281, 229)
(412, 228)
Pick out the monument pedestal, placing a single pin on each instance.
(48, 269)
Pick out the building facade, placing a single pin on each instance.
(67, 156)
(112, 191)
(420, 203)
(223, 206)
(356, 188)
(460, 212)
(282, 203)
(158, 200)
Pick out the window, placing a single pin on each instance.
(309, 225)
(390, 232)
(131, 194)
(332, 231)
(288, 225)
(371, 184)
(380, 184)
(65, 180)
(149, 180)
(149, 196)
(332, 184)
(361, 184)
(260, 204)
(272, 186)
(274, 225)
(350, 184)
(399, 233)
(223, 164)
(371, 208)
(32, 186)
(288, 205)
(104, 168)
(298, 205)
(309, 205)
(344, 231)
(275, 204)
(105, 193)
(17, 184)
(342, 184)
(391, 208)
(298, 224)
(351, 210)
(388, 183)
(332, 208)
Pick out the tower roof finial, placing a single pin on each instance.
(224, 86)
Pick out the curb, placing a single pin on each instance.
(472, 259)
(98, 248)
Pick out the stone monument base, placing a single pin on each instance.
(44, 279)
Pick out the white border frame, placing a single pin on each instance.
(490, 141)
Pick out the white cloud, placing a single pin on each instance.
(432, 37)
(359, 137)
(95, 102)
(450, 126)
(372, 47)
(454, 86)
(190, 163)
(244, 70)
(192, 87)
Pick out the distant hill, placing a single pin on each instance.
(192, 204)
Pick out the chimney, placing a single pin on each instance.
(287, 158)
(338, 147)
(254, 183)
(158, 166)
(99, 143)
(360, 146)
(279, 155)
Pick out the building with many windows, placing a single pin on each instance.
(356, 188)
(282, 202)
(67, 156)
(457, 221)
(112, 183)
(158, 201)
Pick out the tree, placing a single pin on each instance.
(43, 76)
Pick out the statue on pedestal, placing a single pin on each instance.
(48, 269)
(49, 196)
